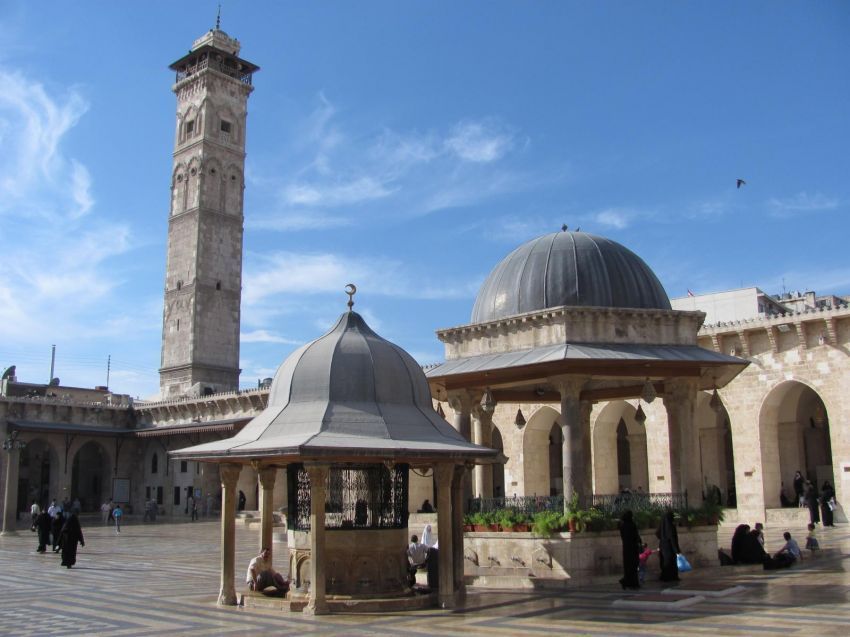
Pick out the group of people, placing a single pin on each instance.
(636, 552)
(58, 526)
(423, 553)
(748, 547)
(111, 512)
(821, 504)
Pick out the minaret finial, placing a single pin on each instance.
(218, 19)
(350, 290)
(564, 228)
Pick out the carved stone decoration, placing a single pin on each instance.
(543, 557)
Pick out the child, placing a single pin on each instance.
(642, 559)
(811, 540)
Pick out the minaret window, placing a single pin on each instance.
(190, 128)
(218, 285)
(225, 131)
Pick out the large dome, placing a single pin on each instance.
(568, 268)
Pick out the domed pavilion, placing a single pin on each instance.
(349, 416)
(571, 319)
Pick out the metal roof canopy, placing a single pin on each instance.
(348, 396)
(524, 376)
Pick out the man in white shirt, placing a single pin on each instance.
(791, 551)
(261, 575)
(417, 555)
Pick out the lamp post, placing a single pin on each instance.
(13, 447)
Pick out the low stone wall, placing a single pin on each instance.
(522, 559)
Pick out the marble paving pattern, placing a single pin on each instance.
(163, 580)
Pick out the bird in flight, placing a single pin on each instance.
(740, 182)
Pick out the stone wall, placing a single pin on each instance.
(524, 560)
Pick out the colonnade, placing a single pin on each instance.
(473, 418)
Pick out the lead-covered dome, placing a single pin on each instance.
(568, 268)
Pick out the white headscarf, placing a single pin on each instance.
(428, 538)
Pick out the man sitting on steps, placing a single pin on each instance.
(261, 575)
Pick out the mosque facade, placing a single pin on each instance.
(579, 371)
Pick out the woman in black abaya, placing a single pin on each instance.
(827, 501)
(631, 550)
(71, 534)
(669, 548)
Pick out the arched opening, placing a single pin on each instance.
(716, 461)
(498, 468)
(794, 432)
(541, 454)
(556, 460)
(90, 476)
(616, 434)
(36, 467)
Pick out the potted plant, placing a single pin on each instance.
(545, 523)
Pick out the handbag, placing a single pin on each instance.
(683, 564)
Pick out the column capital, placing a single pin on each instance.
(267, 477)
(463, 400)
(229, 473)
(317, 473)
(680, 390)
(569, 385)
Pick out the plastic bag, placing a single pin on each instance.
(683, 564)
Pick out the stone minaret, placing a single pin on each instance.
(203, 277)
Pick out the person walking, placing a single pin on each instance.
(242, 500)
(104, 513)
(34, 511)
(812, 502)
(42, 525)
(71, 535)
(56, 523)
(827, 503)
(117, 513)
(669, 547)
(632, 546)
(799, 485)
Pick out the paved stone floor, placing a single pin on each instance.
(163, 579)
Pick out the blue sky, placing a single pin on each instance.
(408, 147)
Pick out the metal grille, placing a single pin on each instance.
(615, 504)
(529, 504)
(371, 496)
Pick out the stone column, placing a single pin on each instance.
(266, 476)
(317, 605)
(461, 404)
(585, 408)
(460, 476)
(444, 473)
(10, 507)
(571, 427)
(482, 424)
(686, 474)
(722, 468)
(229, 475)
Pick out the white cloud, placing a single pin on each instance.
(803, 202)
(294, 221)
(264, 336)
(614, 218)
(317, 273)
(36, 179)
(416, 172)
(479, 141)
(336, 194)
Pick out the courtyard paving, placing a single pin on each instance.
(163, 580)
